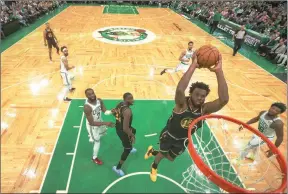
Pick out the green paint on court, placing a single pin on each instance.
(118, 9)
(150, 116)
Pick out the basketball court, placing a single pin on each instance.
(45, 145)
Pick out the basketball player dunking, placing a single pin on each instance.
(184, 60)
(64, 68)
(94, 123)
(124, 129)
(269, 124)
(50, 38)
(174, 135)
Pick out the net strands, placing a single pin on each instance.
(220, 147)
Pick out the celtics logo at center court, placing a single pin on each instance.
(124, 35)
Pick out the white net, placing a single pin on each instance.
(228, 152)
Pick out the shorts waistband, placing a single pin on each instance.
(184, 63)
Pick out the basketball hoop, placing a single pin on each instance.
(212, 151)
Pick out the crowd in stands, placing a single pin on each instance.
(25, 11)
(259, 16)
(268, 18)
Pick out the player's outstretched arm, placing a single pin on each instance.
(103, 107)
(88, 113)
(181, 57)
(278, 126)
(183, 84)
(253, 120)
(223, 95)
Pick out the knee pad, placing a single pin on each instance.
(125, 154)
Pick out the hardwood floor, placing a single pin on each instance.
(30, 84)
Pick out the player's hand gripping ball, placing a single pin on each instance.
(207, 56)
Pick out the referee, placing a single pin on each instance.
(238, 38)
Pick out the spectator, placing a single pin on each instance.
(281, 59)
(2, 34)
(265, 48)
(216, 19)
(25, 11)
(261, 17)
(279, 48)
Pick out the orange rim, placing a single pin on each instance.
(218, 180)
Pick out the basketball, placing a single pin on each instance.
(207, 56)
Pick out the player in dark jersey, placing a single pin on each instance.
(124, 129)
(186, 109)
(50, 38)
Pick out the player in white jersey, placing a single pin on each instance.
(184, 59)
(94, 123)
(270, 124)
(64, 68)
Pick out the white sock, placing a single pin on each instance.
(66, 90)
(96, 149)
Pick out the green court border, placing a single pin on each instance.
(77, 103)
(132, 10)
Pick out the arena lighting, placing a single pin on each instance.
(80, 68)
(30, 173)
(51, 123)
(151, 73)
(35, 88)
(54, 112)
(40, 149)
(4, 125)
(11, 114)
(44, 82)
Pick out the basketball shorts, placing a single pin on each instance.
(256, 141)
(66, 78)
(126, 142)
(182, 67)
(171, 145)
(96, 132)
(51, 43)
